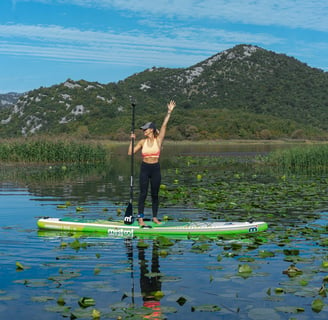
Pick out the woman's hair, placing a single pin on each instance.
(155, 132)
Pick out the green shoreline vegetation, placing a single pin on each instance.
(300, 159)
(307, 156)
(50, 150)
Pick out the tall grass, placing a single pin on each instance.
(302, 159)
(51, 151)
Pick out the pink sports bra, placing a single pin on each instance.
(152, 151)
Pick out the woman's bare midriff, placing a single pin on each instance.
(150, 160)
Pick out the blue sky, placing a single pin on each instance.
(45, 42)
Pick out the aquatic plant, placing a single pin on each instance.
(51, 151)
(300, 159)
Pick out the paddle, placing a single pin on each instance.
(128, 217)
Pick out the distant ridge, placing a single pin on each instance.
(9, 99)
(245, 92)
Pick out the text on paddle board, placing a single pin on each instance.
(121, 233)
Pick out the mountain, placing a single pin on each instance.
(9, 99)
(244, 92)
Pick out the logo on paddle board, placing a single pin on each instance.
(252, 229)
(128, 219)
(120, 233)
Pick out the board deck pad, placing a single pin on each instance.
(166, 228)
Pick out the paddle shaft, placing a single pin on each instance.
(132, 154)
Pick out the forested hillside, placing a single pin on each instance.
(245, 92)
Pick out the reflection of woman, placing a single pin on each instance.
(150, 283)
(150, 148)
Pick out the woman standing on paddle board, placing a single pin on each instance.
(150, 171)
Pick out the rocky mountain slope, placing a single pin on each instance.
(243, 92)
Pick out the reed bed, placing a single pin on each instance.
(301, 159)
(51, 151)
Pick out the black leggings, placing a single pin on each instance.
(149, 172)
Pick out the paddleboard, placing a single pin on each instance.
(166, 228)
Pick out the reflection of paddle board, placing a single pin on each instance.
(170, 228)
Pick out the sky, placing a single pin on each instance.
(45, 42)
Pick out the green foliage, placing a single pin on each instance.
(51, 151)
(302, 159)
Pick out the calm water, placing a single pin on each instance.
(196, 278)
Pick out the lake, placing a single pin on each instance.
(280, 274)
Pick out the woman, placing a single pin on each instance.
(150, 171)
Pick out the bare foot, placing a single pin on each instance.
(156, 221)
(141, 222)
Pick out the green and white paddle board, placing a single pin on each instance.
(166, 228)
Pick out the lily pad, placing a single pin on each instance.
(245, 269)
(317, 305)
(292, 271)
(181, 301)
(86, 302)
(205, 308)
(263, 313)
(266, 254)
(42, 298)
(290, 309)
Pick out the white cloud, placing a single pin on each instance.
(307, 14)
(179, 49)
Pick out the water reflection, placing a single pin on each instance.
(83, 183)
(150, 278)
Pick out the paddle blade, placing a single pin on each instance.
(128, 217)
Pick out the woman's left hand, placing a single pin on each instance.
(171, 105)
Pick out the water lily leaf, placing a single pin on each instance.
(258, 314)
(158, 295)
(42, 298)
(323, 291)
(8, 298)
(324, 264)
(236, 246)
(246, 259)
(170, 279)
(35, 283)
(181, 301)
(19, 266)
(279, 290)
(141, 244)
(291, 252)
(163, 253)
(324, 242)
(205, 308)
(96, 314)
(85, 302)
(292, 271)
(290, 309)
(200, 248)
(76, 244)
(303, 282)
(164, 242)
(61, 301)
(317, 305)
(64, 310)
(307, 293)
(153, 274)
(266, 254)
(96, 271)
(81, 314)
(244, 268)
(64, 276)
(167, 309)
(62, 206)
